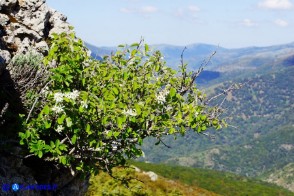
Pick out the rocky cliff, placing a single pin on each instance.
(25, 26)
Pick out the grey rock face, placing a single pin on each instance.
(5, 57)
(7, 4)
(25, 25)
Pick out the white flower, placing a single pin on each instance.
(57, 109)
(160, 98)
(59, 129)
(114, 148)
(84, 104)
(130, 112)
(45, 90)
(72, 95)
(58, 97)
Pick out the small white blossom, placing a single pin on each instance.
(57, 109)
(59, 129)
(58, 97)
(45, 90)
(72, 95)
(160, 98)
(130, 112)
(84, 104)
(114, 148)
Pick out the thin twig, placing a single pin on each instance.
(35, 102)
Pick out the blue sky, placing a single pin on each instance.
(226, 23)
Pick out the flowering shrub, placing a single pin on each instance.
(95, 114)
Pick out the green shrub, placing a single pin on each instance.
(95, 114)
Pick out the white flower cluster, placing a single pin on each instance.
(72, 95)
(84, 104)
(161, 96)
(130, 112)
(57, 109)
(58, 97)
(59, 129)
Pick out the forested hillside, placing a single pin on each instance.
(260, 133)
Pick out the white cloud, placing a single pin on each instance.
(276, 4)
(143, 10)
(148, 9)
(126, 10)
(249, 23)
(193, 8)
(281, 23)
(188, 13)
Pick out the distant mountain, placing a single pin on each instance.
(230, 62)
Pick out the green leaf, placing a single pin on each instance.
(40, 154)
(47, 124)
(126, 75)
(110, 97)
(52, 144)
(88, 129)
(27, 134)
(68, 122)
(172, 130)
(157, 142)
(138, 109)
(203, 128)
(109, 134)
(115, 134)
(119, 122)
(115, 90)
(74, 139)
(57, 143)
(135, 45)
(46, 109)
(63, 160)
(203, 117)
(173, 92)
(215, 122)
(146, 48)
(81, 109)
(61, 119)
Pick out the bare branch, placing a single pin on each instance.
(196, 73)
